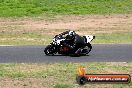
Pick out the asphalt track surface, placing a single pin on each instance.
(35, 54)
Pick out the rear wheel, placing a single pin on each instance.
(49, 50)
(87, 48)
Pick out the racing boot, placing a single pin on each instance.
(78, 52)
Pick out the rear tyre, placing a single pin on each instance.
(49, 50)
(87, 49)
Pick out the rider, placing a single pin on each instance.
(69, 36)
(71, 39)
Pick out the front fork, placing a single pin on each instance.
(55, 48)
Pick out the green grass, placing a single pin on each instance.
(61, 86)
(62, 75)
(113, 38)
(11, 8)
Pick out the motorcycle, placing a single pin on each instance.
(56, 46)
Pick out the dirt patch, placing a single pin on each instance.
(97, 24)
(40, 30)
(27, 82)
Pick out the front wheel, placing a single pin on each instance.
(49, 50)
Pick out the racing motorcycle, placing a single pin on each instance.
(57, 46)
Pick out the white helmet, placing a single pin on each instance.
(71, 33)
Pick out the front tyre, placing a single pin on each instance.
(49, 50)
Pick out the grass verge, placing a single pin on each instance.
(113, 38)
(59, 75)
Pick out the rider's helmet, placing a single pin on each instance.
(71, 35)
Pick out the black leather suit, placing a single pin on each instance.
(74, 42)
